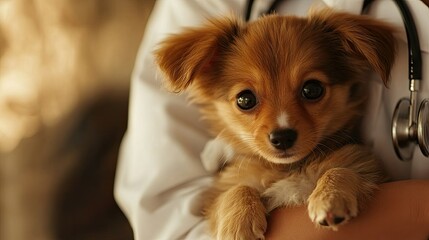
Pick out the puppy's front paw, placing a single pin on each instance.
(332, 208)
(240, 215)
(235, 227)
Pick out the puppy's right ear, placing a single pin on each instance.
(186, 56)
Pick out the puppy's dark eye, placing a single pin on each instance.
(246, 100)
(312, 90)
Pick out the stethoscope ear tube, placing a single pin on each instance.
(415, 56)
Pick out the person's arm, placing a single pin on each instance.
(399, 210)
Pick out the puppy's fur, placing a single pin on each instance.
(274, 58)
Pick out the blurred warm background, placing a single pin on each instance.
(65, 67)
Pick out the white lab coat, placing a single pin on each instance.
(160, 174)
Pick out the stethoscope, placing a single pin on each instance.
(410, 125)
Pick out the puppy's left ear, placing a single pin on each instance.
(187, 56)
(362, 37)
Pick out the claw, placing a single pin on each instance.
(324, 223)
(338, 220)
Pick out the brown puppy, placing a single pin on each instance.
(287, 94)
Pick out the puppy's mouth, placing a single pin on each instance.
(283, 157)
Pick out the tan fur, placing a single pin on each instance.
(273, 57)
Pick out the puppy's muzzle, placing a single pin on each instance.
(283, 139)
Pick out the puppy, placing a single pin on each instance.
(287, 94)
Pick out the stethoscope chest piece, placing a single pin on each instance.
(423, 127)
(406, 133)
(401, 131)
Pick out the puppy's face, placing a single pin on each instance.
(280, 86)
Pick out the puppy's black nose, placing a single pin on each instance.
(283, 139)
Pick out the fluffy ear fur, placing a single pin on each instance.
(362, 36)
(188, 55)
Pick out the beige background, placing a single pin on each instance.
(65, 67)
